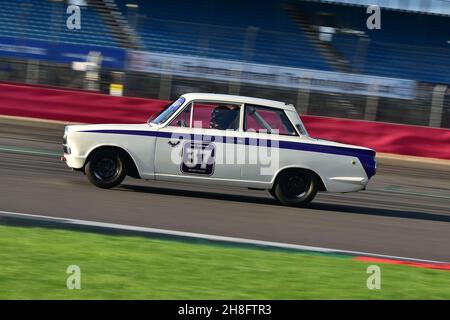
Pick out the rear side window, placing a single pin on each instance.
(267, 120)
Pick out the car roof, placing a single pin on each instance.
(238, 99)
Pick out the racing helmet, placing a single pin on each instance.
(222, 117)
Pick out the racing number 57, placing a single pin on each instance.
(198, 158)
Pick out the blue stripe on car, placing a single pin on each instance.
(366, 157)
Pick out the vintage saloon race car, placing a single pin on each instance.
(221, 139)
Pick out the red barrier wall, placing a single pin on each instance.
(74, 106)
(81, 106)
(383, 137)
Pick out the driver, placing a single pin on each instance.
(224, 117)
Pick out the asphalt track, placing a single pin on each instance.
(405, 211)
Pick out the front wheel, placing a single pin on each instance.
(105, 169)
(295, 188)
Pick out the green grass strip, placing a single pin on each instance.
(33, 263)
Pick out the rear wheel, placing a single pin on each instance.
(295, 188)
(105, 169)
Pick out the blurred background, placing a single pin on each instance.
(318, 55)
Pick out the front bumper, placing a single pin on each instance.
(73, 162)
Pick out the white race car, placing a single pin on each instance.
(221, 139)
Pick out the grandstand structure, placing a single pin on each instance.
(45, 20)
(329, 38)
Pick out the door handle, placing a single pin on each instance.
(173, 144)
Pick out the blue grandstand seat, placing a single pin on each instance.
(45, 20)
(215, 29)
(409, 45)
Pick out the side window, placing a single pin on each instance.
(267, 120)
(183, 119)
(213, 115)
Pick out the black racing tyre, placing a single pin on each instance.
(105, 169)
(295, 188)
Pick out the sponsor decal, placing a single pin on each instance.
(59, 52)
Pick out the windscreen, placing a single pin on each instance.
(168, 111)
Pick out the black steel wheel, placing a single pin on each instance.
(295, 188)
(105, 169)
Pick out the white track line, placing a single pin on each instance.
(29, 151)
(76, 222)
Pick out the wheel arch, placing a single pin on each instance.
(130, 163)
(322, 186)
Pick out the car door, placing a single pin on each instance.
(207, 149)
(264, 127)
